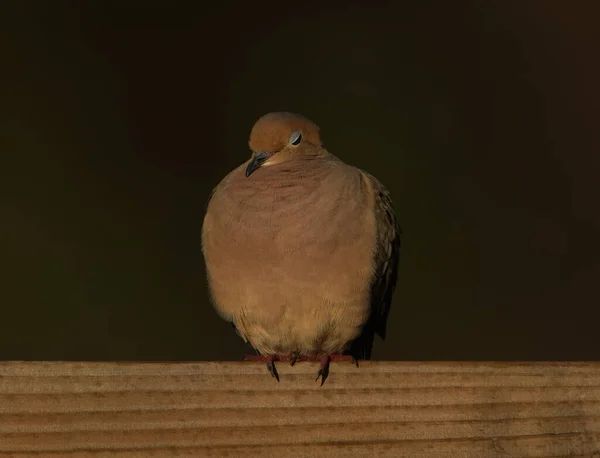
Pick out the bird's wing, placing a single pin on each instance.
(387, 253)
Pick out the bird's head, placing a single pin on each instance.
(281, 136)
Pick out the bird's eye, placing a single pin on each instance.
(296, 138)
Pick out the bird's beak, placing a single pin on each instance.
(257, 160)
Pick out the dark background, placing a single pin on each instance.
(119, 117)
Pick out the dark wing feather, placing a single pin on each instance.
(387, 255)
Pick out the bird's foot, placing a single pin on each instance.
(294, 357)
(271, 367)
(269, 359)
(324, 360)
(323, 369)
(340, 357)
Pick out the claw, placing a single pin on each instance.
(270, 360)
(294, 357)
(323, 372)
(271, 367)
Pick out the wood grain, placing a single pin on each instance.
(388, 409)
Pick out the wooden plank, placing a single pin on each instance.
(389, 409)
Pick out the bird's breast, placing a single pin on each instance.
(286, 240)
(276, 220)
(298, 215)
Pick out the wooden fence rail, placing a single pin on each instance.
(381, 409)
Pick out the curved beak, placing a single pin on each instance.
(257, 160)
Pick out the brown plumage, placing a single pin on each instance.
(301, 249)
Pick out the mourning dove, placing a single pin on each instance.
(301, 249)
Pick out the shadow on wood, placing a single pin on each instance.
(384, 409)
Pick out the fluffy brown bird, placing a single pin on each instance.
(301, 249)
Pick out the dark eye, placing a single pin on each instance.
(296, 138)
